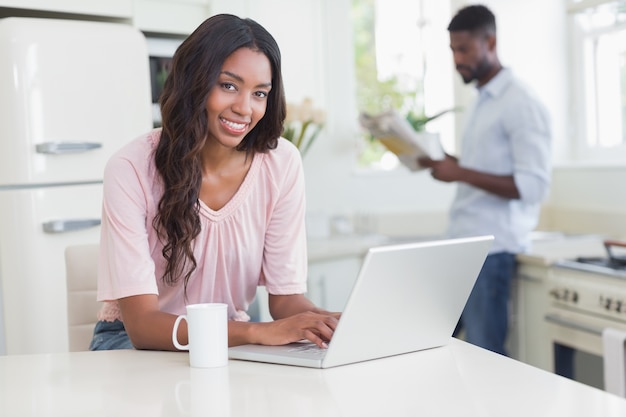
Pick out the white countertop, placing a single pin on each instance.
(338, 246)
(550, 250)
(321, 249)
(456, 380)
(547, 247)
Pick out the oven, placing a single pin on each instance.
(160, 53)
(587, 296)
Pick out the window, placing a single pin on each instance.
(599, 77)
(402, 61)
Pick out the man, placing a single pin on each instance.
(503, 172)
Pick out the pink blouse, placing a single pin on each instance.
(257, 238)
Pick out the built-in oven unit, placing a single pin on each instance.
(160, 52)
(588, 295)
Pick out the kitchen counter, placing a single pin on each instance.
(548, 248)
(341, 246)
(591, 268)
(456, 380)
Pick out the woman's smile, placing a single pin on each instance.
(234, 127)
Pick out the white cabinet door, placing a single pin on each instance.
(110, 8)
(330, 282)
(36, 225)
(529, 336)
(329, 286)
(178, 17)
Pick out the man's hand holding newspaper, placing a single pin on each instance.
(397, 134)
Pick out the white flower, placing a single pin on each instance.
(303, 123)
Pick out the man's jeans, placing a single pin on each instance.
(486, 315)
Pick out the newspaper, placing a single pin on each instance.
(397, 135)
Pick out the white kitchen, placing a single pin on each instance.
(564, 297)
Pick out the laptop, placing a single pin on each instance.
(407, 297)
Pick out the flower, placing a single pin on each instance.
(303, 124)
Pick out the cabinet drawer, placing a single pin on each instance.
(109, 8)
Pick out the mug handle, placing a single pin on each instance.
(175, 331)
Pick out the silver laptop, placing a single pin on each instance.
(407, 297)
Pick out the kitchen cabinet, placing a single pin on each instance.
(334, 264)
(107, 8)
(331, 281)
(529, 339)
(171, 17)
(168, 17)
(329, 285)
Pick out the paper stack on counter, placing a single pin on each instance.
(397, 134)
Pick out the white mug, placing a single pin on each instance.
(207, 326)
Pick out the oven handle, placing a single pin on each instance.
(558, 320)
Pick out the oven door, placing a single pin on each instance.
(576, 338)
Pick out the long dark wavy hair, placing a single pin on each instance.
(196, 66)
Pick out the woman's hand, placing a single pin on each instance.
(314, 327)
(295, 318)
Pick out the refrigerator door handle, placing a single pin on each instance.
(63, 226)
(54, 148)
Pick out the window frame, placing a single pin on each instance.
(585, 96)
(433, 98)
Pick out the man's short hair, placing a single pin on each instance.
(474, 19)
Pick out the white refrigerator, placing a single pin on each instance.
(71, 93)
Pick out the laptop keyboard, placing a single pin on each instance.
(309, 349)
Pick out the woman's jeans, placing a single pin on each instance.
(110, 335)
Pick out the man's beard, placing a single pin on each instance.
(475, 73)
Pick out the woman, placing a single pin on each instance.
(211, 205)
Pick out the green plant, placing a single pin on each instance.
(418, 122)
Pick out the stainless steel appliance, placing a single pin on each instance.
(73, 93)
(160, 51)
(588, 295)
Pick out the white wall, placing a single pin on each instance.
(315, 38)
(316, 43)
(532, 41)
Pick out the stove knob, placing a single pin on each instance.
(619, 305)
(607, 303)
(554, 293)
(575, 296)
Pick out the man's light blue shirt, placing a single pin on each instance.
(508, 133)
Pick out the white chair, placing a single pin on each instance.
(81, 264)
